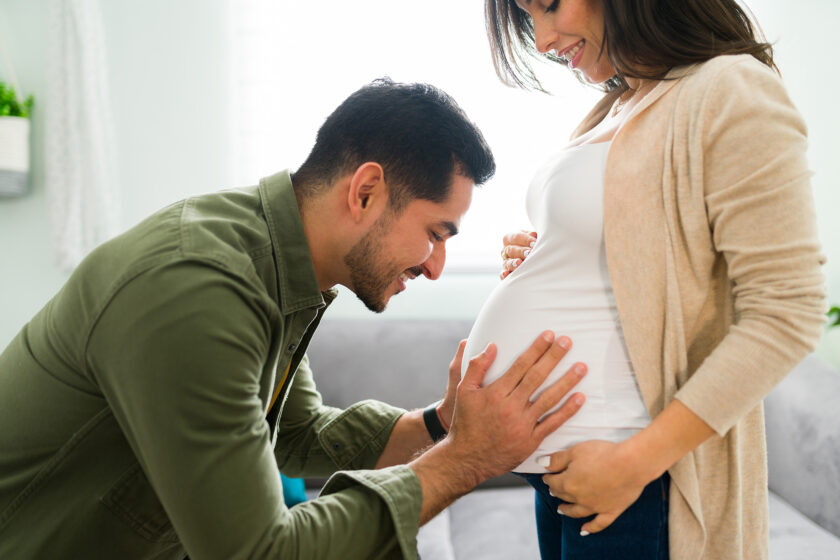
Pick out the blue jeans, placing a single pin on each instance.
(640, 532)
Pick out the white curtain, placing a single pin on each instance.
(82, 185)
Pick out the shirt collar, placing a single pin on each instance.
(297, 285)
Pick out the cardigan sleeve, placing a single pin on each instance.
(761, 214)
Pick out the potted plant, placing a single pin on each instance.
(14, 141)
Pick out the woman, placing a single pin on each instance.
(678, 250)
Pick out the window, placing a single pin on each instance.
(294, 62)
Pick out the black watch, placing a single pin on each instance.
(433, 424)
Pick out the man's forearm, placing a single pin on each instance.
(444, 477)
(408, 438)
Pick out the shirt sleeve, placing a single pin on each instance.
(178, 353)
(316, 440)
(761, 213)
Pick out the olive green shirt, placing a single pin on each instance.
(135, 417)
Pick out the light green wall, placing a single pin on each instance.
(168, 67)
(168, 71)
(27, 274)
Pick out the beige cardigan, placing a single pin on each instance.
(715, 264)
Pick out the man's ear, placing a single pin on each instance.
(368, 191)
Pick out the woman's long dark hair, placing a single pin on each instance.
(643, 38)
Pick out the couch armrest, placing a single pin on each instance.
(803, 441)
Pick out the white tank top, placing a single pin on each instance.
(564, 286)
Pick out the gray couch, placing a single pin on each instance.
(405, 363)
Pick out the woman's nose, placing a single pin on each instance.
(544, 36)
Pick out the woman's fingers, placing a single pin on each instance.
(522, 238)
(574, 510)
(515, 248)
(601, 522)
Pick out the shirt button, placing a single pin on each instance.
(336, 446)
(292, 346)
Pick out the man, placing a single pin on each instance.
(144, 412)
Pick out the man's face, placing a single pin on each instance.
(399, 248)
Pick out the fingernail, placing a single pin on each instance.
(526, 252)
(532, 244)
(516, 263)
(548, 336)
(559, 511)
(564, 342)
(544, 461)
(578, 399)
(580, 369)
(584, 533)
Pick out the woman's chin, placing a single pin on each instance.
(595, 76)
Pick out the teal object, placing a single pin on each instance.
(293, 490)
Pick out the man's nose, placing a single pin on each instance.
(433, 266)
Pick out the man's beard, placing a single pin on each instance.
(370, 273)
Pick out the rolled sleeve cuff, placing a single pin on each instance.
(400, 490)
(356, 437)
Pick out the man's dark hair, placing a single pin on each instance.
(416, 132)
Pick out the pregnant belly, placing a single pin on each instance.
(513, 325)
(513, 317)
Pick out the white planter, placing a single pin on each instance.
(14, 156)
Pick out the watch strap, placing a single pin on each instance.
(433, 424)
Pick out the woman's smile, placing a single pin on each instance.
(571, 55)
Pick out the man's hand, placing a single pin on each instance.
(498, 426)
(495, 428)
(446, 408)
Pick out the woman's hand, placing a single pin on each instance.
(515, 247)
(603, 479)
(598, 478)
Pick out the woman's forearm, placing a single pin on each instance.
(668, 438)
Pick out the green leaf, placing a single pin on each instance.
(9, 105)
(834, 316)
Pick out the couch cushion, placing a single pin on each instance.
(402, 362)
(434, 540)
(495, 524)
(793, 536)
(803, 442)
